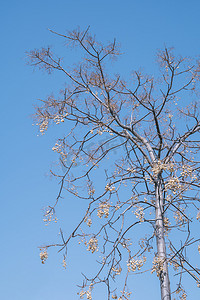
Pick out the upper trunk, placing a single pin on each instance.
(161, 246)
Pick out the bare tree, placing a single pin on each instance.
(153, 180)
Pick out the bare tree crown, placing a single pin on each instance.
(154, 125)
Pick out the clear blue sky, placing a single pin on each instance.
(141, 27)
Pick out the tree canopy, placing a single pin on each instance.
(152, 125)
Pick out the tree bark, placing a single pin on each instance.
(161, 245)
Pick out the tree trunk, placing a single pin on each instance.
(161, 246)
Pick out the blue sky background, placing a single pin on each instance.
(142, 27)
